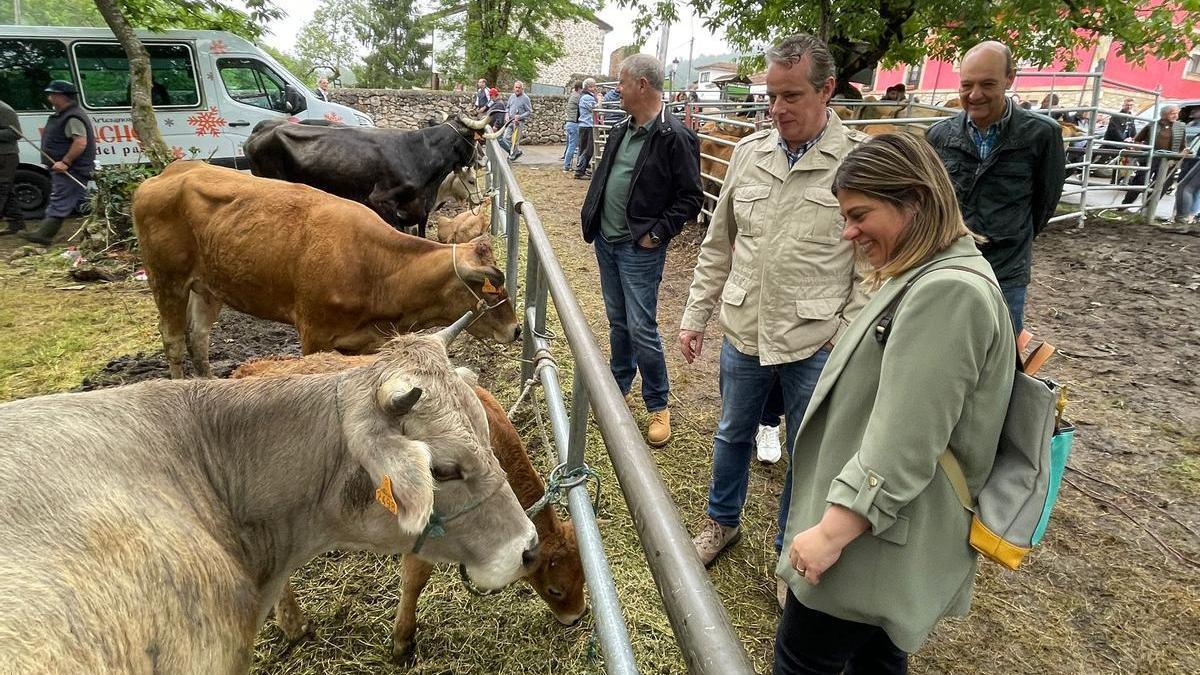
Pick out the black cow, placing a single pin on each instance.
(394, 172)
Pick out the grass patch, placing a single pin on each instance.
(54, 338)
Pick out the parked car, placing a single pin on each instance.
(210, 89)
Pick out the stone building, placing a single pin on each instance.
(618, 55)
(583, 44)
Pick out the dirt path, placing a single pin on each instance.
(1101, 594)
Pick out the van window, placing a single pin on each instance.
(104, 75)
(26, 67)
(251, 82)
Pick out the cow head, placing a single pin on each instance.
(558, 576)
(478, 126)
(480, 286)
(412, 397)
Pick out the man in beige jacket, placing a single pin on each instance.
(787, 282)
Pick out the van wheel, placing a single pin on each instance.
(31, 189)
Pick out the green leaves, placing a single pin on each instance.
(863, 33)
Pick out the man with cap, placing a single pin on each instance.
(69, 151)
(10, 133)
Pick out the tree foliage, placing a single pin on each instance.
(865, 33)
(150, 14)
(330, 38)
(509, 37)
(397, 37)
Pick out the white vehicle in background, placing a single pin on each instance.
(210, 89)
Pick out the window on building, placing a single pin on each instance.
(912, 76)
(1193, 66)
(704, 75)
(26, 67)
(251, 82)
(104, 75)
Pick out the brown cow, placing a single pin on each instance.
(331, 267)
(465, 226)
(716, 141)
(557, 575)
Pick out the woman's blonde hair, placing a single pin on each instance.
(905, 171)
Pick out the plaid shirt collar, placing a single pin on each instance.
(793, 157)
(985, 141)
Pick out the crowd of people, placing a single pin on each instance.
(818, 228)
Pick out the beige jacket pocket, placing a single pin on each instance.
(750, 209)
(819, 217)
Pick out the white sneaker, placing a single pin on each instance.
(767, 441)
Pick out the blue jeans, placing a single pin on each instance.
(572, 145)
(629, 280)
(1014, 297)
(1186, 204)
(745, 385)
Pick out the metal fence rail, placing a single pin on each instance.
(1087, 153)
(699, 620)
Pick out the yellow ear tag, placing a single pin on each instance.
(488, 287)
(383, 495)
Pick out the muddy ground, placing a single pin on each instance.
(1114, 588)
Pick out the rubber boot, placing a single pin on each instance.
(45, 233)
(14, 227)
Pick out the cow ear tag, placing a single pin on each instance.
(488, 287)
(383, 495)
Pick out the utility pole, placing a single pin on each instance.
(664, 38)
(17, 12)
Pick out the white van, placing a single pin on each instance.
(210, 89)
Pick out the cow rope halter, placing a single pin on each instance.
(481, 305)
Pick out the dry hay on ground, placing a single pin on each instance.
(1101, 595)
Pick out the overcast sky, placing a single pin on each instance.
(283, 33)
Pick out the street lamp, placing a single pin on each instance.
(674, 69)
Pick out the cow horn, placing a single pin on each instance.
(477, 125)
(489, 135)
(402, 402)
(448, 333)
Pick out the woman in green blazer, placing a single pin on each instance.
(878, 540)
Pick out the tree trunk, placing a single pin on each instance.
(140, 82)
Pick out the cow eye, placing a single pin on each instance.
(446, 472)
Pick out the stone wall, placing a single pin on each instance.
(408, 109)
(583, 47)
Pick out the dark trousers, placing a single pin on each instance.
(585, 151)
(65, 194)
(1141, 178)
(9, 209)
(809, 642)
(629, 279)
(1014, 297)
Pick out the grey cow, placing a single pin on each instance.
(149, 528)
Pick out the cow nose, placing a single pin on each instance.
(529, 556)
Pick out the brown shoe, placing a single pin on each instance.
(658, 431)
(713, 539)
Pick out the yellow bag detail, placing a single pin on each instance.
(992, 546)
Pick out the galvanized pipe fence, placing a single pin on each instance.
(1089, 156)
(698, 618)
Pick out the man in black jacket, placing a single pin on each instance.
(646, 187)
(1007, 165)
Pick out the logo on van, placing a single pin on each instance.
(207, 123)
(218, 47)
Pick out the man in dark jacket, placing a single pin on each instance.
(646, 187)
(10, 133)
(1007, 165)
(69, 140)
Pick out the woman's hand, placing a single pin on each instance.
(816, 549)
